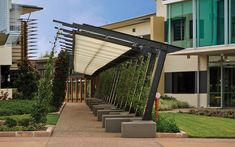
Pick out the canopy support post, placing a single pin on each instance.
(80, 89)
(155, 82)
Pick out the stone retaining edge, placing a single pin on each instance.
(46, 133)
(182, 134)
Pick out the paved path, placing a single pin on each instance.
(77, 127)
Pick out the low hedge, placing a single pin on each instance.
(165, 124)
(170, 103)
(226, 113)
(23, 123)
(18, 107)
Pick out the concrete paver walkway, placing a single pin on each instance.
(77, 127)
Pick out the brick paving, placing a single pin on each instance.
(78, 127)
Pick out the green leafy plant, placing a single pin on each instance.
(27, 79)
(10, 122)
(226, 113)
(24, 122)
(59, 81)
(44, 93)
(169, 103)
(129, 82)
(165, 124)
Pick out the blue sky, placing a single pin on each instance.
(94, 12)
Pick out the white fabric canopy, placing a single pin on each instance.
(92, 54)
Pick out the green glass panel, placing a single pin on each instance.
(211, 22)
(180, 24)
(232, 21)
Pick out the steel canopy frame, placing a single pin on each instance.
(138, 46)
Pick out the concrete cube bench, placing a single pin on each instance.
(92, 104)
(120, 115)
(102, 106)
(103, 112)
(138, 129)
(113, 125)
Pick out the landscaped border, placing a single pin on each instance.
(181, 134)
(47, 133)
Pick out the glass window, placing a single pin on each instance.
(211, 22)
(180, 17)
(178, 28)
(232, 19)
(183, 82)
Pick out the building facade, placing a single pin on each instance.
(202, 74)
(17, 40)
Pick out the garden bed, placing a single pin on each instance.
(226, 113)
(18, 107)
(170, 103)
(43, 133)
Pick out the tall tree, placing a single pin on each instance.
(61, 68)
(27, 80)
(44, 93)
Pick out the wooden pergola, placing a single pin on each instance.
(79, 86)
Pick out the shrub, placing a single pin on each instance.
(59, 82)
(17, 95)
(230, 113)
(24, 122)
(165, 124)
(39, 113)
(15, 107)
(18, 107)
(44, 94)
(169, 103)
(4, 128)
(10, 122)
(166, 97)
(27, 79)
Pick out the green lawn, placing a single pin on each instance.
(204, 126)
(51, 118)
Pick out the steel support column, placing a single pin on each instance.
(85, 88)
(156, 79)
(77, 85)
(81, 89)
(72, 89)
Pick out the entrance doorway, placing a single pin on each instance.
(221, 82)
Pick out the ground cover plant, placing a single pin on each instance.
(18, 107)
(25, 122)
